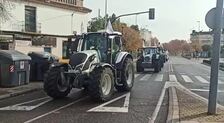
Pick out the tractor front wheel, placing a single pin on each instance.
(101, 86)
(55, 83)
(127, 76)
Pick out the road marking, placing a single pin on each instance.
(55, 110)
(187, 79)
(156, 111)
(159, 104)
(23, 107)
(159, 77)
(173, 78)
(220, 81)
(136, 75)
(146, 77)
(206, 90)
(103, 108)
(201, 79)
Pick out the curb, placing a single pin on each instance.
(173, 113)
(18, 93)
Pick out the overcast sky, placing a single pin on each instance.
(174, 18)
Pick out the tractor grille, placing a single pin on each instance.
(147, 59)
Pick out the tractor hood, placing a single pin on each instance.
(84, 59)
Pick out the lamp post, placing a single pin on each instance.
(105, 14)
(72, 22)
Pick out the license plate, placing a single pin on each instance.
(22, 65)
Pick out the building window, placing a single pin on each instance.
(30, 19)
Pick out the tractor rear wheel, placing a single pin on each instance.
(139, 68)
(127, 76)
(101, 86)
(157, 67)
(55, 84)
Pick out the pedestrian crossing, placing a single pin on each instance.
(189, 79)
(146, 77)
(201, 79)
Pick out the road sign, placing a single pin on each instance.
(209, 19)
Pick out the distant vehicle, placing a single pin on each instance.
(150, 57)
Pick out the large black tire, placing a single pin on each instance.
(157, 67)
(54, 85)
(127, 76)
(139, 68)
(99, 77)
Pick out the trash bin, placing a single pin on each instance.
(40, 63)
(14, 68)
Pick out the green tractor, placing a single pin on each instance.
(98, 66)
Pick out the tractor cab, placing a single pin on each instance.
(107, 45)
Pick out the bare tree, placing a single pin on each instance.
(5, 7)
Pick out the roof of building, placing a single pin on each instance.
(201, 33)
(60, 5)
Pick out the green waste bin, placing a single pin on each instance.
(14, 68)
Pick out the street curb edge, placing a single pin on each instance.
(18, 93)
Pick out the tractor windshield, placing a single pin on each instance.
(97, 41)
(147, 51)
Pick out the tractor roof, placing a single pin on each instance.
(110, 32)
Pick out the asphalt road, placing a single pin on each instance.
(144, 104)
(196, 77)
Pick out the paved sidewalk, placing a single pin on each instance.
(14, 91)
(193, 110)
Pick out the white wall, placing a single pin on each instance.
(25, 47)
(53, 20)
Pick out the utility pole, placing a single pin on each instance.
(199, 26)
(215, 58)
(72, 22)
(105, 14)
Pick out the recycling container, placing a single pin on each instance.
(39, 65)
(14, 68)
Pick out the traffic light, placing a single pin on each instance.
(151, 14)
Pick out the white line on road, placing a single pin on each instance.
(156, 111)
(206, 90)
(173, 78)
(201, 79)
(220, 81)
(136, 75)
(104, 108)
(159, 77)
(55, 110)
(146, 77)
(187, 79)
(23, 107)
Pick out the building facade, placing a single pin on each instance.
(55, 19)
(146, 36)
(203, 38)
